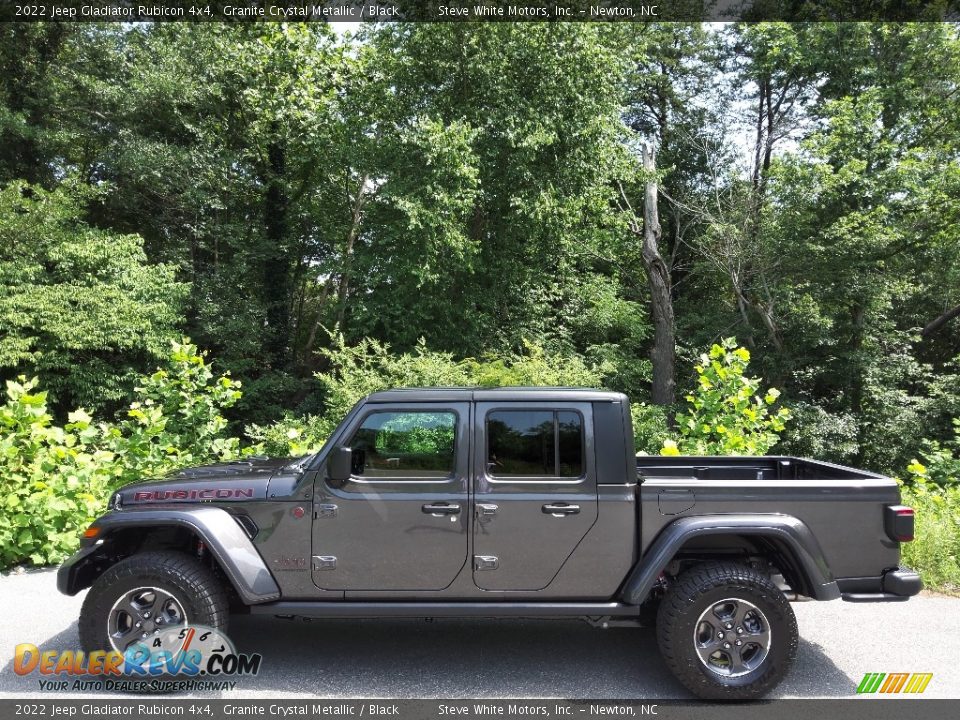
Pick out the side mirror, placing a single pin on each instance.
(340, 465)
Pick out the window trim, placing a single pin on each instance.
(539, 479)
(452, 476)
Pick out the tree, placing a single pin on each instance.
(78, 305)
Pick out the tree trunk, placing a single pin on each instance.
(343, 288)
(276, 263)
(934, 325)
(663, 354)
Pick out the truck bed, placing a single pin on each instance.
(841, 506)
(772, 467)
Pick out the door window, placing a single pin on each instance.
(398, 444)
(534, 443)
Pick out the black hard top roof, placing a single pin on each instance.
(536, 394)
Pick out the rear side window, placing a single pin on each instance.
(534, 443)
(400, 444)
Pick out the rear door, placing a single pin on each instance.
(400, 521)
(535, 491)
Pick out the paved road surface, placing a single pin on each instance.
(521, 659)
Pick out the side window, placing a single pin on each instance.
(401, 444)
(534, 443)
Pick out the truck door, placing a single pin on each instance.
(535, 491)
(400, 521)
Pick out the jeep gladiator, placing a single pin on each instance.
(501, 503)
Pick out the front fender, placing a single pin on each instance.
(223, 536)
(788, 531)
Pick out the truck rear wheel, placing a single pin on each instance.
(727, 632)
(147, 593)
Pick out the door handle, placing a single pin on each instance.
(561, 509)
(442, 509)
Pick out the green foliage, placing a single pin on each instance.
(467, 184)
(935, 551)
(726, 414)
(290, 436)
(932, 489)
(940, 462)
(369, 366)
(79, 306)
(55, 480)
(176, 420)
(651, 428)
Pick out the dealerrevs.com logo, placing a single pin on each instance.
(182, 658)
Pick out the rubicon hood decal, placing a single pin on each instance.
(219, 493)
(226, 482)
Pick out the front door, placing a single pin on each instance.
(535, 491)
(400, 521)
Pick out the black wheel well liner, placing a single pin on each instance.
(735, 546)
(122, 542)
(786, 538)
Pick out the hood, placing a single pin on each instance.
(241, 480)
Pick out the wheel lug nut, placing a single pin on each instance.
(146, 614)
(728, 626)
(143, 635)
(726, 646)
(740, 630)
(139, 624)
(739, 642)
(719, 633)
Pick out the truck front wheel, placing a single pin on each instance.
(727, 632)
(146, 593)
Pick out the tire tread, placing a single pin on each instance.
(680, 608)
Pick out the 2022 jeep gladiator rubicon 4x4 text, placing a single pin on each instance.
(502, 503)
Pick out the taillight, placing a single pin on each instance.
(898, 522)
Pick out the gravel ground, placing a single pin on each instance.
(510, 658)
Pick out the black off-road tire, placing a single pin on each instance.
(694, 601)
(199, 592)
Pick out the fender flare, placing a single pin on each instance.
(223, 536)
(787, 530)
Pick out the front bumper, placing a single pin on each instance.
(77, 571)
(893, 586)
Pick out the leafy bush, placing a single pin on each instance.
(176, 420)
(56, 480)
(369, 366)
(932, 489)
(935, 551)
(726, 414)
(650, 427)
(941, 462)
(289, 437)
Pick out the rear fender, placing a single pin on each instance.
(785, 531)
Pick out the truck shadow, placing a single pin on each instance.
(459, 659)
(482, 659)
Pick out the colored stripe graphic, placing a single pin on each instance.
(870, 683)
(918, 682)
(893, 683)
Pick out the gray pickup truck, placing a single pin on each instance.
(509, 502)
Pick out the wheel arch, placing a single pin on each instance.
(125, 533)
(782, 538)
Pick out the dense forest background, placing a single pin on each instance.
(620, 196)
